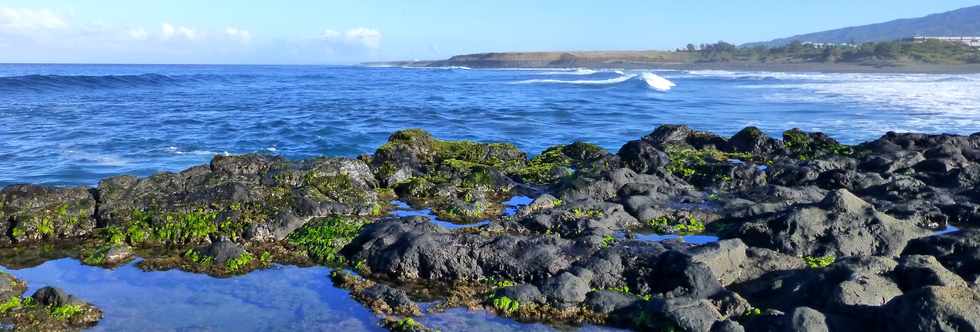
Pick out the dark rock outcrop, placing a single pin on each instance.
(840, 225)
(30, 213)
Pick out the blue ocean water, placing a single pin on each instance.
(74, 124)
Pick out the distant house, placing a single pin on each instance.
(973, 41)
(822, 45)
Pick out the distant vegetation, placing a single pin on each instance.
(960, 22)
(880, 53)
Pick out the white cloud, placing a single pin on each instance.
(358, 37)
(238, 34)
(14, 19)
(39, 35)
(169, 31)
(368, 37)
(330, 35)
(186, 32)
(138, 34)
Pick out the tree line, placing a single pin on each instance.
(929, 51)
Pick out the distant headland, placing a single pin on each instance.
(939, 43)
(899, 56)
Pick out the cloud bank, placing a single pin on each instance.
(45, 35)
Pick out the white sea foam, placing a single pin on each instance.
(95, 158)
(578, 71)
(175, 150)
(653, 81)
(614, 80)
(945, 94)
(657, 82)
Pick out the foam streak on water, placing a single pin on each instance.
(75, 124)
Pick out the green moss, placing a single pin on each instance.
(503, 156)
(322, 239)
(694, 164)
(67, 311)
(97, 256)
(113, 235)
(819, 262)
(198, 258)
(753, 312)
(800, 145)
(338, 187)
(238, 263)
(265, 259)
(44, 225)
(625, 289)
(377, 209)
(413, 135)
(189, 227)
(14, 302)
(475, 210)
(505, 304)
(138, 229)
(608, 241)
(64, 214)
(684, 226)
(546, 168)
(503, 283)
(580, 213)
(406, 324)
(18, 232)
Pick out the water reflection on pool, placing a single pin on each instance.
(280, 298)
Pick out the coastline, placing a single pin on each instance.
(727, 66)
(593, 237)
(663, 60)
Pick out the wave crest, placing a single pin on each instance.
(59, 82)
(577, 72)
(651, 80)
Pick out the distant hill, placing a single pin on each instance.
(960, 22)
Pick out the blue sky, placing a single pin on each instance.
(224, 31)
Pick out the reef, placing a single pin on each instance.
(812, 234)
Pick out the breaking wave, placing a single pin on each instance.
(651, 80)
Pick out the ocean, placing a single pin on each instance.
(75, 124)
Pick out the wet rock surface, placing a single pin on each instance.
(815, 235)
(48, 309)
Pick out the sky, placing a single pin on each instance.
(343, 32)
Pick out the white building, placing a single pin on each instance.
(822, 45)
(972, 41)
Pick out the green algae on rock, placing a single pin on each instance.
(567, 255)
(48, 309)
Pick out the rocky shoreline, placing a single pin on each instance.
(814, 235)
